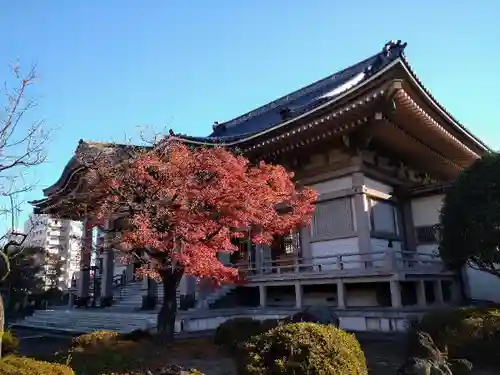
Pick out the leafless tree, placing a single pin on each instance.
(22, 146)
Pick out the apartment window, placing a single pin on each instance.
(332, 218)
(383, 218)
(427, 234)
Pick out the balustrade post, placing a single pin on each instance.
(391, 260)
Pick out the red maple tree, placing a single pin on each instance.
(183, 206)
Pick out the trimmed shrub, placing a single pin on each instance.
(107, 357)
(302, 348)
(471, 333)
(94, 338)
(10, 343)
(12, 365)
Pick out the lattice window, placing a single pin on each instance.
(332, 218)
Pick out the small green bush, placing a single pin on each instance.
(12, 365)
(95, 338)
(10, 343)
(302, 348)
(471, 333)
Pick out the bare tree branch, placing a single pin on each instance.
(22, 141)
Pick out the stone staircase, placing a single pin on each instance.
(123, 316)
(213, 297)
(129, 297)
(87, 320)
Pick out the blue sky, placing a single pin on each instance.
(108, 67)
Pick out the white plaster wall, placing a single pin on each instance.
(327, 250)
(426, 210)
(378, 186)
(187, 285)
(352, 323)
(333, 185)
(361, 298)
(482, 285)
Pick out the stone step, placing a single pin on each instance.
(88, 321)
(73, 321)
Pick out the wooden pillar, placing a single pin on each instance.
(421, 297)
(395, 294)
(107, 287)
(341, 297)
(108, 264)
(299, 293)
(408, 225)
(438, 292)
(262, 295)
(361, 214)
(85, 258)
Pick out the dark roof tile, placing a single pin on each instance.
(306, 98)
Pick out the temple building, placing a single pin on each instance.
(380, 151)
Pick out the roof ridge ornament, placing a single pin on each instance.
(393, 46)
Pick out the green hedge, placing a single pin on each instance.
(300, 349)
(12, 365)
(10, 343)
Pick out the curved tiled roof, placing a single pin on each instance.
(305, 99)
(318, 94)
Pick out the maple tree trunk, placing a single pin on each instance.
(168, 311)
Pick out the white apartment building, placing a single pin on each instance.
(61, 238)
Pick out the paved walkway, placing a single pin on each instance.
(35, 343)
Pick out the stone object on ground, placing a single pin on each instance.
(425, 358)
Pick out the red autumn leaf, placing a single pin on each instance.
(184, 205)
